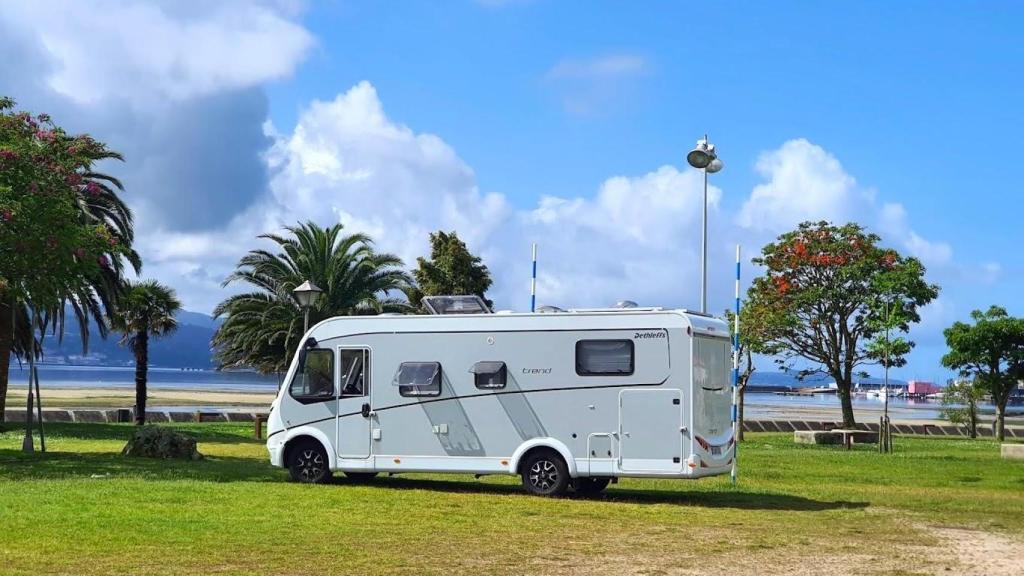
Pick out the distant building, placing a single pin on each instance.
(922, 387)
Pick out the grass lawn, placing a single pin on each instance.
(83, 509)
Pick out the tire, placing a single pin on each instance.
(590, 486)
(360, 476)
(308, 463)
(545, 474)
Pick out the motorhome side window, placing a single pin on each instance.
(419, 379)
(604, 357)
(489, 375)
(315, 382)
(354, 372)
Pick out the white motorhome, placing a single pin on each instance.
(565, 399)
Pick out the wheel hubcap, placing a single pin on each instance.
(543, 475)
(310, 465)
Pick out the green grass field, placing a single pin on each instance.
(81, 508)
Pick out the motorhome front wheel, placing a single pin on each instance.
(308, 463)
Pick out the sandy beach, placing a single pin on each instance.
(122, 397)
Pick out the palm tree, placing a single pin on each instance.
(99, 202)
(264, 326)
(145, 309)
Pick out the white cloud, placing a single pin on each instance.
(592, 86)
(638, 238)
(145, 52)
(593, 250)
(346, 158)
(895, 223)
(804, 183)
(605, 67)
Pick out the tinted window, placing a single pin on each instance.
(315, 382)
(419, 379)
(489, 375)
(604, 357)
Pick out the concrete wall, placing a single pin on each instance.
(110, 415)
(905, 429)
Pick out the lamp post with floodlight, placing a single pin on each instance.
(703, 157)
(306, 295)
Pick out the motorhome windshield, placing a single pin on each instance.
(712, 403)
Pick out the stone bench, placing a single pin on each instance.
(839, 436)
(1013, 451)
(816, 437)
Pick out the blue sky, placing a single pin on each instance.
(564, 123)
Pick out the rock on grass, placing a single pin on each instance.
(164, 443)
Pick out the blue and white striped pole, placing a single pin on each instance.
(736, 373)
(533, 281)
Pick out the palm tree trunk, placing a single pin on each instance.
(141, 367)
(6, 344)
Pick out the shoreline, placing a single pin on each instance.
(258, 399)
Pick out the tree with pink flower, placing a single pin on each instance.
(65, 235)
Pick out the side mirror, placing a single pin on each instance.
(309, 343)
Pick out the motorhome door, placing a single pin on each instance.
(354, 403)
(650, 438)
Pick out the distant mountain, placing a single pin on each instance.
(188, 347)
(198, 319)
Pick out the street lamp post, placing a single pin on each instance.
(306, 295)
(703, 157)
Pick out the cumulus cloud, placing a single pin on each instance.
(346, 158)
(143, 52)
(347, 162)
(806, 182)
(178, 88)
(174, 86)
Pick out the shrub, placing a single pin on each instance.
(157, 442)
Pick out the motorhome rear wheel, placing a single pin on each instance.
(545, 474)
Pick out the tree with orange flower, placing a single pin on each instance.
(821, 284)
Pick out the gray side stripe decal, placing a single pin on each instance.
(499, 394)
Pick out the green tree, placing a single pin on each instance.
(818, 289)
(991, 351)
(63, 232)
(960, 403)
(754, 323)
(888, 315)
(263, 327)
(450, 270)
(146, 309)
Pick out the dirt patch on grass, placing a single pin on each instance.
(919, 551)
(977, 552)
